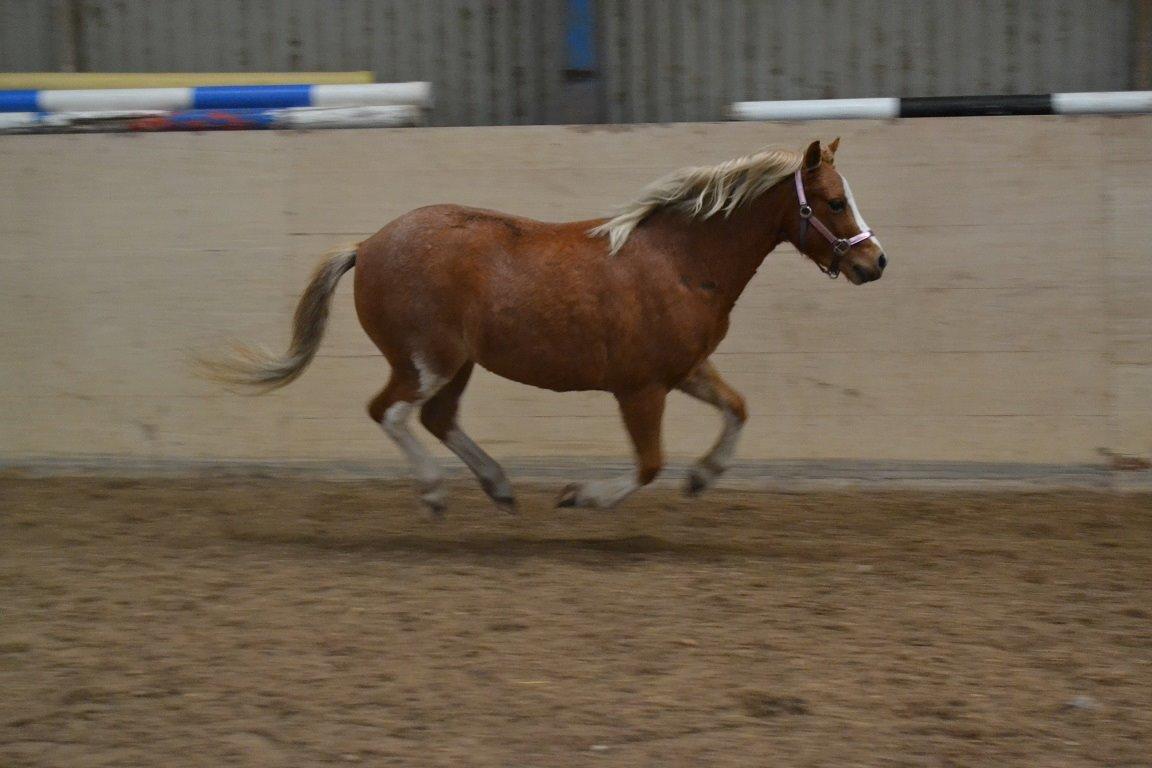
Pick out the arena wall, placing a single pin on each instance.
(1014, 323)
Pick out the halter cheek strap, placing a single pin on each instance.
(840, 245)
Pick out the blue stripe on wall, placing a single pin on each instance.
(581, 36)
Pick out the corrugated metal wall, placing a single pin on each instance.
(688, 59)
(490, 61)
(502, 61)
(29, 34)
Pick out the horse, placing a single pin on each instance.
(632, 305)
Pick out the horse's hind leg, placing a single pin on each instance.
(704, 383)
(643, 412)
(439, 416)
(407, 389)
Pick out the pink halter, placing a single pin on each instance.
(840, 245)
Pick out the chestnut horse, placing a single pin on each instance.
(632, 305)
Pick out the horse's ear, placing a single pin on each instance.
(812, 156)
(835, 145)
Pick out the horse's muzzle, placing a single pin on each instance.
(860, 274)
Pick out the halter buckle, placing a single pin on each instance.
(841, 246)
(805, 211)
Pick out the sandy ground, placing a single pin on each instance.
(272, 622)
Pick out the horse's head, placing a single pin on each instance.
(831, 230)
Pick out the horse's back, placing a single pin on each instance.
(484, 285)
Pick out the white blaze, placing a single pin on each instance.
(856, 215)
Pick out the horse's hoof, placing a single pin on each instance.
(506, 504)
(568, 496)
(434, 505)
(696, 484)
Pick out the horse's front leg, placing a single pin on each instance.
(643, 411)
(704, 383)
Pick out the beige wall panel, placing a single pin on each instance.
(1129, 258)
(1129, 300)
(1128, 249)
(164, 193)
(1013, 325)
(1134, 411)
(1129, 296)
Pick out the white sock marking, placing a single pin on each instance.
(603, 494)
(430, 381)
(424, 466)
(716, 461)
(721, 454)
(481, 464)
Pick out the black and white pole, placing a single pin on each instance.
(1102, 103)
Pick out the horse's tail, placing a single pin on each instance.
(259, 371)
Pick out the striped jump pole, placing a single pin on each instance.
(87, 81)
(294, 118)
(417, 94)
(1102, 103)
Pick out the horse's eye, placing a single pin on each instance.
(836, 205)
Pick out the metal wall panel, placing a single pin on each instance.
(733, 50)
(502, 61)
(27, 28)
(490, 61)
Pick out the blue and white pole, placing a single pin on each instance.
(291, 118)
(218, 97)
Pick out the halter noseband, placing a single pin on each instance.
(840, 245)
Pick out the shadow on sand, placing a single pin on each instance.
(600, 549)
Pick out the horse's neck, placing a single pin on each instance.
(726, 251)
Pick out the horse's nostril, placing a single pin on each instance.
(883, 261)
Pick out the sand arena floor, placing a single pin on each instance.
(270, 622)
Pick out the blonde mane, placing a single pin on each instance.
(702, 192)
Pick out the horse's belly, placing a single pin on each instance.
(583, 326)
(559, 364)
(571, 355)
